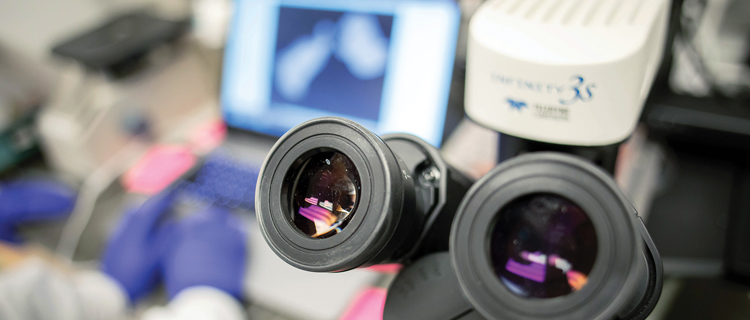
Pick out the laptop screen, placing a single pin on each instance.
(386, 64)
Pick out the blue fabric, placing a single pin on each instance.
(133, 252)
(209, 248)
(26, 201)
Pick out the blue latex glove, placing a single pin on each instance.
(27, 201)
(134, 250)
(210, 250)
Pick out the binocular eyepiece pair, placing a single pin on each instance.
(543, 235)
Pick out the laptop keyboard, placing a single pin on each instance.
(224, 181)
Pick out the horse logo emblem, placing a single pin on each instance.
(516, 104)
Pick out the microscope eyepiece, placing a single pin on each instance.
(333, 196)
(549, 235)
(542, 236)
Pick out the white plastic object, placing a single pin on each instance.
(573, 72)
(89, 118)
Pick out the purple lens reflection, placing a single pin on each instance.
(324, 194)
(543, 246)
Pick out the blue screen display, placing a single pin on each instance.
(384, 63)
(322, 52)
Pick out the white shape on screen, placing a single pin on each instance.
(361, 46)
(303, 60)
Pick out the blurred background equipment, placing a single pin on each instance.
(23, 88)
(700, 117)
(130, 77)
(712, 49)
(148, 245)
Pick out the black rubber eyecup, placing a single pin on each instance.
(609, 287)
(379, 200)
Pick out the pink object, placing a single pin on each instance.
(386, 268)
(368, 305)
(161, 166)
(207, 137)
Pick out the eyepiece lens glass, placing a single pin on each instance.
(324, 194)
(543, 246)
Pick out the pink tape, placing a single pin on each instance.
(386, 268)
(161, 166)
(368, 305)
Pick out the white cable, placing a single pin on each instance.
(92, 187)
